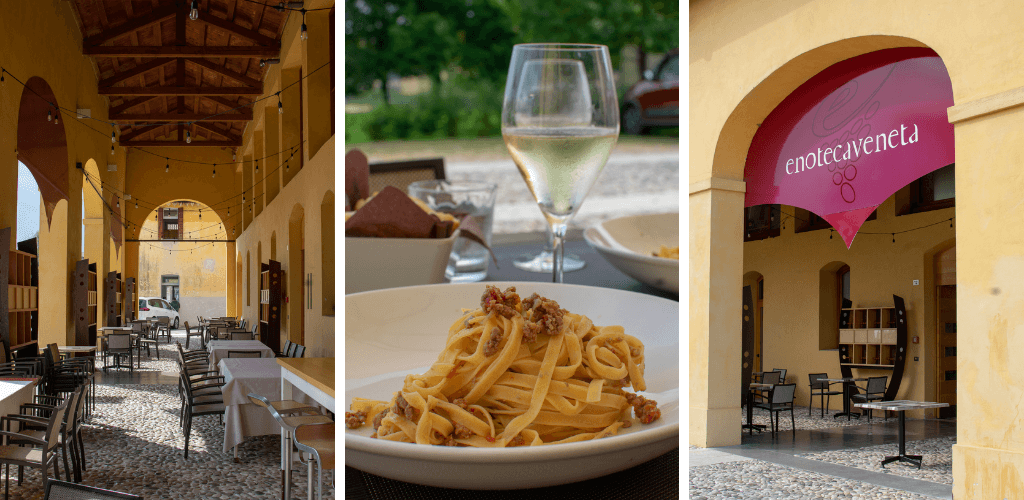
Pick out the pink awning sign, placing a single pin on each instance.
(853, 135)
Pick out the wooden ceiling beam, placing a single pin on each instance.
(181, 51)
(194, 143)
(155, 16)
(221, 70)
(139, 131)
(223, 133)
(136, 71)
(240, 116)
(129, 104)
(235, 29)
(175, 91)
(225, 102)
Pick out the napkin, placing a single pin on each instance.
(391, 214)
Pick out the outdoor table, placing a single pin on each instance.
(750, 407)
(847, 382)
(660, 475)
(218, 349)
(14, 392)
(242, 418)
(901, 406)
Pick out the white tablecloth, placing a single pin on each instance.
(242, 418)
(219, 349)
(15, 392)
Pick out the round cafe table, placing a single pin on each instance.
(657, 478)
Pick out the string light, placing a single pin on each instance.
(215, 170)
(111, 149)
(49, 116)
(303, 34)
(194, 14)
(280, 107)
(233, 157)
(113, 138)
(56, 118)
(2, 71)
(167, 167)
(188, 137)
(136, 204)
(894, 237)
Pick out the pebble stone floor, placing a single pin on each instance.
(757, 480)
(805, 422)
(133, 444)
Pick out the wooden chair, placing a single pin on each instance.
(188, 336)
(24, 456)
(318, 441)
(402, 173)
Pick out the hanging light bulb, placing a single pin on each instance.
(280, 107)
(2, 71)
(303, 34)
(118, 203)
(257, 166)
(233, 157)
(111, 149)
(200, 214)
(49, 116)
(188, 137)
(136, 204)
(194, 13)
(113, 138)
(56, 118)
(215, 170)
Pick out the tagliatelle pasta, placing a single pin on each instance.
(667, 252)
(517, 372)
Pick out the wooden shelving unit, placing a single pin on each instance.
(19, 299)
(130, 303)
(85, 302)
(868, 337)
(114, 299)
(271, 282)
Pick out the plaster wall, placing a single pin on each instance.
(746, 56)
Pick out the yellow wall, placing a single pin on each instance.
(745, 57)
(43, 39)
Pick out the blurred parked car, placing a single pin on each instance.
(653, 101)
(155, 306)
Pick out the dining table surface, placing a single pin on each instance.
(218, 349)
(656, 478)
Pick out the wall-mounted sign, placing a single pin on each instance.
(853, 135)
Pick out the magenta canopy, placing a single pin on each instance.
(852, 136)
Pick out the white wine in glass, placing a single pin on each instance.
(560, 120)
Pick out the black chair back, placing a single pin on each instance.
(771, 378)
(783, 394)
(876, 385)
(817, 382)
(782, 372)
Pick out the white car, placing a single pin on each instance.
(155, 306)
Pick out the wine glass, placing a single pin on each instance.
(544, 261)
(560, 120)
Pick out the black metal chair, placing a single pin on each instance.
(782, 374)
(875, 391)
(239, 335)
(195, 405)
(780, 399)
(119, 345)
(63, 490)
(820, 387)
(299, 351)
(771, 378)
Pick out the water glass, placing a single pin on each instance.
(469, 260)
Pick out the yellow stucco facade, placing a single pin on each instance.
(745, 57)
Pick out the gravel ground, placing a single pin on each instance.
(759, 480)
(804, 422)
(937, 465)
(134, 444)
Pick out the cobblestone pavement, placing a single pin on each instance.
(754, 479)
(805, 422)
(937, 453)
(630, 184)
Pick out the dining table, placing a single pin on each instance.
(242, 418)
(754, 387)
(218, 349)
(848, 383)
(901, 406)
(656, 478)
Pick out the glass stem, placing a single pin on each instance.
(558, 250)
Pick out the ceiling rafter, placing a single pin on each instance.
(155, 16)
(235, 29)
(221, 70)
(223, 144)
(127, 136)
(180, 51)
(136, 71)
(173, 91)
(223, 133)
(241, 116)
(130, 104)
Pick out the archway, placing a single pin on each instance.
(296, 276)
(184, 259)
(42, 148)
(717, 236)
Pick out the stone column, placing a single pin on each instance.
(716, 282)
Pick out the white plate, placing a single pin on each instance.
(627, 244)
(399, 331)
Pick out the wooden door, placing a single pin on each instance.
(945, 331)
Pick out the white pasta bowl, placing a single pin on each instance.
(392, 333)
(376, 263)
(627, 243)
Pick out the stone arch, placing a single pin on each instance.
(42, 144)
